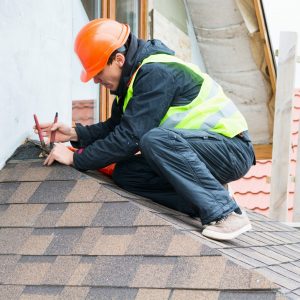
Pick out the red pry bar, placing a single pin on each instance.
(37, 124)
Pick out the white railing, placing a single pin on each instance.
(282, 130)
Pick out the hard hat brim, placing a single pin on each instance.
(84, 77)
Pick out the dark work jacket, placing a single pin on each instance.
(157, 86)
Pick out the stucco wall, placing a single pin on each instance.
(39, 72)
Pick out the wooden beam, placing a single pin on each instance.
(143, 19)
(266, 39)
(267, 44)
(104, 9)
(282, 126)
(263, 151)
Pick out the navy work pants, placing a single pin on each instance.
(186, 169)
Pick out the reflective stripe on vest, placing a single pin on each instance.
(211, 110)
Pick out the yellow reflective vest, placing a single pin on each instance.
(211, 110)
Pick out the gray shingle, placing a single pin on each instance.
(91, 239)
(111, 293)
(21, 215)
(151, 240)
(10, 292)
(116, 214)
(11, 239)
(61, 270)
(42, 290)
(50, 215)
(241, 257)
(113, 271)
(65, 239)
(279, 279)
(7, 265)
(227, 295)
(52, 192)
(6, 190)
(61, 172)
(188, 272)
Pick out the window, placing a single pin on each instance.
(127, 11)
(92, 8)
(132, 12)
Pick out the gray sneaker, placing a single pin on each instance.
(228, 228)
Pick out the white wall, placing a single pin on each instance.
(37, 66)
(80, 90)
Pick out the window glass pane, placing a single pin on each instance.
(174, 11)
(92, 8)
(127, 11)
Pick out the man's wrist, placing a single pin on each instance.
(74, 136)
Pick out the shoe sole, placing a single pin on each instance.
(225, 236)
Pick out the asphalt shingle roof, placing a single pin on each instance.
(71, 235)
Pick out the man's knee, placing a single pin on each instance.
(152, 139)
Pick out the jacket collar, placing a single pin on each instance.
(131, 63)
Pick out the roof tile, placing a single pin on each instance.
(234, 277)
(83, 191)
(107, 195)
(116, 214)
(153, 294)
(79, 274)
(24, 191)
(113, 271)
(6, 191)
(179, 245)
(284, 250)
(35, 245)
(228, 295)
(188, 272)
(11, 292)
(36, 174)
(65, 239)
(250, 252)
(18, 215)
(111, 293)
(243, 258)
(11, 239)
(41, 292)
(152, 275)
(78, 214)
(74, 293)
(270, 253)
(52, 191)
(61, 271)
(194, 295)
(151, 240)
(111, 245)
(7, 265)
(281, 279)
(29, 272)
(87, 241)
(92, 239)
(50, 215)
(61, 172)
(13, 172)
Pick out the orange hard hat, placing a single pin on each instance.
(95, 43)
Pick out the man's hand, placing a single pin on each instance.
(64, 133)
(61, 154)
